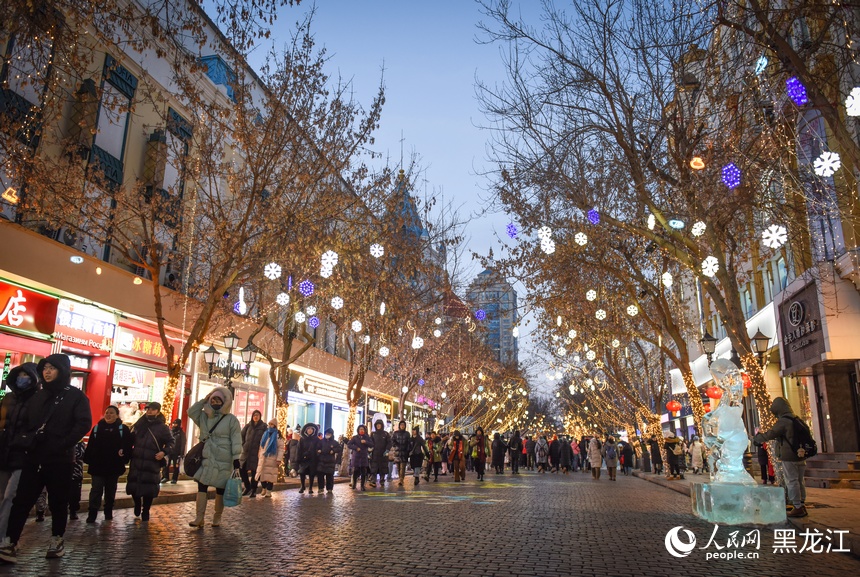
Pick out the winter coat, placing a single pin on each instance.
(499, 449)
(475, 443)
(66, 424)
(360, 450)
(457, 449)
(697, 454)
(565, 454)
(628, 454)
(401, 443)
(595, 456)
(542, 451)
(417, 452)
(530, 447)
(329, 451)
(148, 439)
(179, 441)
(13, 417)
(554, 452)
(515, 446)
(381, 446)
(670, 445)
(223, 446)
(294, 451)
(434, 450)
(782, 431)
(654, 449)
(252, 434)
(105, 443)
(308, 447)
(267, 467)
(609, 452)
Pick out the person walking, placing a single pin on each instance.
(577, 455)
(57, 417)
(77, 481)
(151, 441)
(554, 454)
(177, 452)
(542, 454)
(417, 453)
(329, 451)
(609, 452)
(583, 452)
(793, 465)
(531, 443)
(565, 455)
(308, 456)
(108, 450)
(595, 456)
(457, 456)
(252, 435)
(223, 435)
(499, 449)
(360, 444)
(269, 455)
(674, 453)
(697, 455)
(656, 454)
(293, 448)
(480, 451)
(400, 447)
(515, 447)
(627, 457)
(434, 456)
(379, 457)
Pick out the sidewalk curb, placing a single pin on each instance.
(851, 540)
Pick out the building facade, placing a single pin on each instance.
(495, 296)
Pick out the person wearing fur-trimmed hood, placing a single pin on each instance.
(220, 453)
(328, 452)
(308, 456)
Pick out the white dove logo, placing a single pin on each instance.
(675, 546)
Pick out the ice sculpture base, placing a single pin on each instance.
(738, 504)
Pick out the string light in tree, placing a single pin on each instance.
(384, 352)
(827, 164)
(632, 310)
(306, 287)
(376, 250)
(775, 236)
(796, 91)
(731, 176)
(300, 317)
(357, 326)
(667, 279)
(272, 271)
(600, 314)
(580, 238)
(593, 216)
(710, 266)
(511, 229)
(313, 322)
(329, 259)
(590, 295)
(337, 303)
(561, 351)
(698, 228)
(417, 343)
(282, 299)
(852, 102)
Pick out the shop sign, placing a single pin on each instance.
(27, 311)
(85, 327)
(140, 345)
(802, 337)
(322, 388)
(375, 405)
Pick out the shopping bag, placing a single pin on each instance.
(233, 490)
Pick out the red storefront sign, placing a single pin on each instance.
(26, 311)
(136, 343)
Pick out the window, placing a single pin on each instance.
(781, 273)
(29, 63)
(118, 90)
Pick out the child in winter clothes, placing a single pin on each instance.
(77, 481)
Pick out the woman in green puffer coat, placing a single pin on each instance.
(220, 453)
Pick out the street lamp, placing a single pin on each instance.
(212, 356)
(709, 345)
(759, 342)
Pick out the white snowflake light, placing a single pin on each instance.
(852, 102)
(590, 295)
(580, 238)
(590, 355)
(357, 326)
(382, 308)
(775, 236)
(698, 228)
(632, 310)
(272, 271)
(329, 259)
(545, 233)
(376, 250)
(547, 245)
(437, 333)
(337, 303)
(571, 333)
(383, 351)
(311, 311)
(417, 343)
(827, 164)
(667, 279)
(365, 339)
(561, 351)
(652, 222)
(438, 321)
(600, 314)
(326, 271)
(300, 317)
(515, 332)
(616, 343)
(710, 266)
(282, 299)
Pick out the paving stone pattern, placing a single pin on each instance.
(509, 526)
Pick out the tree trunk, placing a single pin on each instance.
(350, 427)
(695, 399)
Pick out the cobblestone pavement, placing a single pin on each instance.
(509, 526)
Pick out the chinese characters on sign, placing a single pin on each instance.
(25, 310)
(138, 344)
(85, 327)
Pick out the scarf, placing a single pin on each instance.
(481, 455)
(270, 442)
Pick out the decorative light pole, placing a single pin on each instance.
(709, 345)
(212, 356)
(760, 342)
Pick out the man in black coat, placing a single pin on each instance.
(58, 416)
(379, 457)
(530, 452)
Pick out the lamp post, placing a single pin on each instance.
(709, 345)
(212, 356)
(759, 342)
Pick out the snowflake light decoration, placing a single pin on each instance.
(600, 314)
(382, 309)
(272, 271)
(357, 326)
(511, 229)
(590, 355)
(326, 271)
(329, 258)
(300, 317)
(580, 238)
(417, 343)
(437, 333)
(667, 279)
(590, 295)
(571, 333)
(731, 176)
(480, 314)
(616, 343)
(827, 164)
(547, 245)
(775, 236)
(515, 332)
(306, 287)
(652, 221)
(561, 351)
(593, 216)
(632, 310)
(852, 102)
(282, 299)
(383, 351)
(311, 311)
(438, 320)
(796, 91)
(698, 228)
(313, 322)
(376, 250)
(337, 303)
(365, 339)
(710, 266)
(545, 233)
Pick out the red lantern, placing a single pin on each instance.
(673, 406)
(714, 392)
(747, 380)
(707, 408)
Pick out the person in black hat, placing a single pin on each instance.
(151, 442)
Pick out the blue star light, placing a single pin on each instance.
(731, 176)
(512, 230)
(306, 287)
(313, 322)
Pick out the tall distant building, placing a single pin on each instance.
(494, 295)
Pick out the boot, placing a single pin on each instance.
(417, 481)
(219, 508)
(91, 516)
(201, 510)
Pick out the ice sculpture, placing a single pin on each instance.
(732, 497)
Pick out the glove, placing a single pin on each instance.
(236, 463)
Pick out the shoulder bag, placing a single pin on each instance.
(194, 457)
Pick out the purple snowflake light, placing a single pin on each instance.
(313, 322)
(512, 230)
(420, 382)
(593, 216)
(480, 314)
(731, 176)
(306, 287)
(796, 91)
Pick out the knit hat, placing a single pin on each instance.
(273, 423)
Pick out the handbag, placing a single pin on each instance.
(194, 457)
(233, 490)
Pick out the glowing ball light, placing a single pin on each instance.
(714, 392)
(796, 91)
(731, 176)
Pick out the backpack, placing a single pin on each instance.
(803, 444)
(610, 451)
(541, 451)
